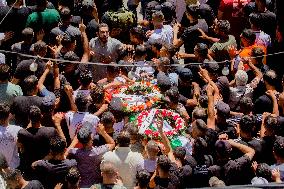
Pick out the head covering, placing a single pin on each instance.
(2, 58)
(241, 78)
(223, 108)
(224, 87)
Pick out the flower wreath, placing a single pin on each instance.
(173, 124)
(138, 96)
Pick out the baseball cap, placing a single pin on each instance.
(223, 108)
(185, 74)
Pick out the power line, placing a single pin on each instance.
(127, 65)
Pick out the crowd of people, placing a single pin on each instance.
(217, 63)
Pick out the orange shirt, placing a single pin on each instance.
(246, 52)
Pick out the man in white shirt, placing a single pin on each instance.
(8, 137)
(127, 162)
(76, 120)
(162, 34)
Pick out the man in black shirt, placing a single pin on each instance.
(235, 171)
(24, 68)
(15, 180)
(265, 103)
(54, 169)
(190, 36)
(21, 105)
(34, 141)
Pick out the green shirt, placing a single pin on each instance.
(8, 92)
(47, 20)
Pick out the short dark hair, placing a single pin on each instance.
(224, 26)
(158, 14)
(113, 68)
(65, 14)
(143, 178)
(57, 145)
(271, 77)
(164, 163)
(200, 148)
(4, 72)
(86, 78)
(97, 94)
(202, 49)
(139, 33)
(201, 125)
(140, 50)
(173, 94)
(81, 101)
(27, 33)
(278, 146)
(30, 84)
(41, 3)
(200, 113)
(39, 47)
(193, 10)
(3, 162)
(35, 114)
(247, 124)
(103, 25)
(12, 175)
(164, 82)
(123, 139)
(203, 101)
(246, 105)
(73, 176)
(4, 111)
(72, 56)
(271, 123)
(67, 40)
(84, 135)
(255, 19)
(180, 153)
(249, 35)
(107, 118)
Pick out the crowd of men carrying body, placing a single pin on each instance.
(218, 63)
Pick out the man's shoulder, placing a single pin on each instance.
(114, 41)
(53, 12)
(25, 62)
(14, 128)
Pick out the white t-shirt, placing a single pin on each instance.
(127, 162)
(76, 120)
(150, 165)
(164, 35)
(8, 144)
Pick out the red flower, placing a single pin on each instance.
(176, 117)
(148, 132)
